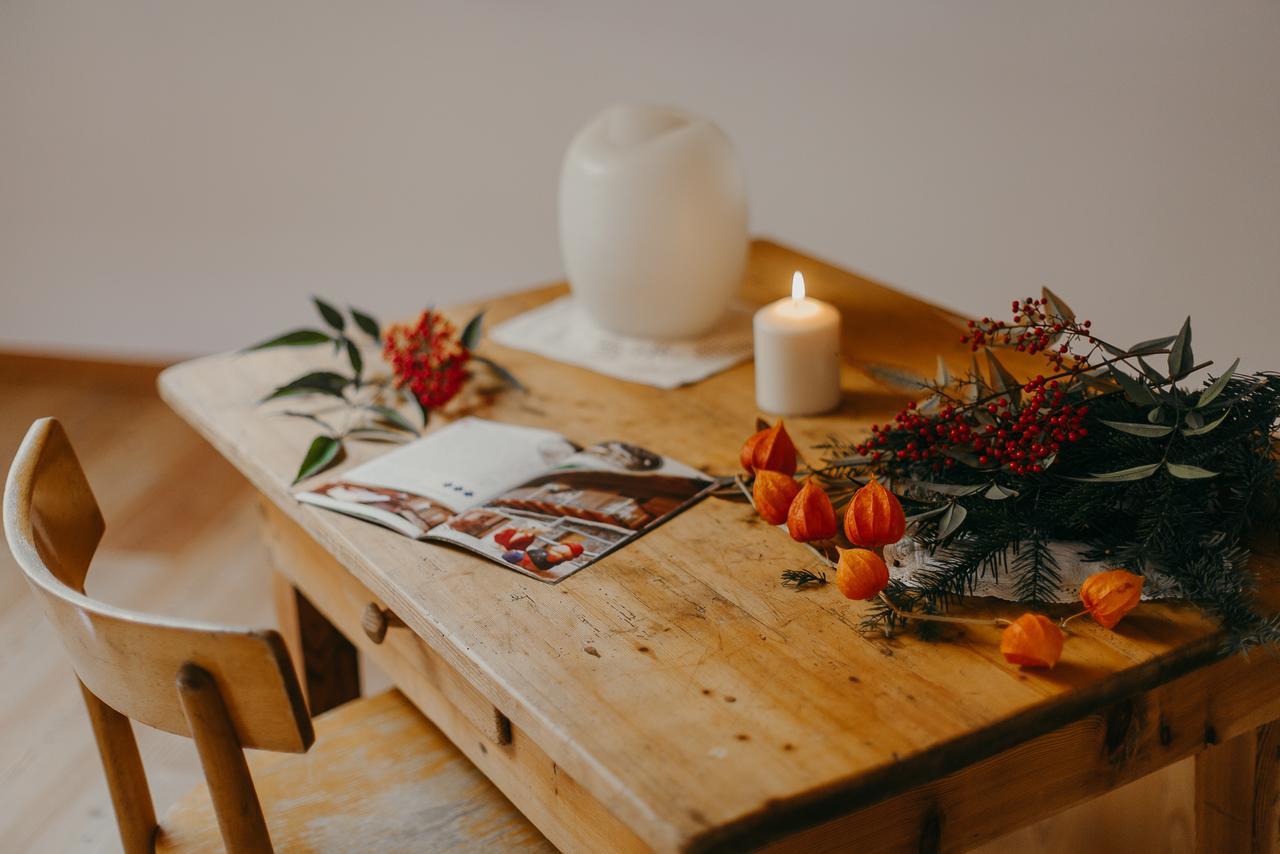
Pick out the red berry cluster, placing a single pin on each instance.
(996, 434)
(1033, 330)
(428, 357)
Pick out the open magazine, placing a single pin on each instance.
(528, 499)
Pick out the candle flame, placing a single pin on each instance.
(797, 287)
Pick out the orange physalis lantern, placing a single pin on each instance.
(770, 449)
(811, 516)
(773, 493)
(1032, 640)
(1109, 595)
(874, 517)
(861, 573)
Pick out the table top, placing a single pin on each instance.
(677, 680)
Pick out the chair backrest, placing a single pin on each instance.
(141, 666)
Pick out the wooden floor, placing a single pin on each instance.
(182, 539)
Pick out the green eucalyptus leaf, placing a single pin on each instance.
(1114, 350)
(316, 382)
(1156, 416)
(331, 315)
(505, 375)
(1134, 473)
(1206, 428)
(391, 416)
(1133, 388)
(1058, 306)
(1194, 420)
(1150, 431)
(296, 338)
(471, 333)
(1186, 472)
(324, 452)
(1216, 388)
(1181, 360)
(952, 518)
(367, 324)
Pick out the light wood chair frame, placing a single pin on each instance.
(227, 688)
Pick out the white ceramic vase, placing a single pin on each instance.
(653, 221)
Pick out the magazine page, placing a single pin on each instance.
(420, 485)
(552, 524)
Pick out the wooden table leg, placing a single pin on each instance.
(1237, 787)
(327, 664)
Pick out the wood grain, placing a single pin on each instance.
(713, 704)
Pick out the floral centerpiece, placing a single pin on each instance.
(429, 359)
(1115, 450)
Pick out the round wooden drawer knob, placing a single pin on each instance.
(376, 620)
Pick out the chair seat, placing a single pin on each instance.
(380, 777)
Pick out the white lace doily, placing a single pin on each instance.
(562, 330)
(907, 557)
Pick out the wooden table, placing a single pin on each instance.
(675, 697)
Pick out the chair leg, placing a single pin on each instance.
(235, 801)
(126, 779)
(1237, 789)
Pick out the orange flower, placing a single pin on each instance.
(811, 516)
(773, 493)
(861, 573)
(874, 517)
(1109, 595)
(770, 449)
(1032, 640)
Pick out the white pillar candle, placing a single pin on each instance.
(797, 354)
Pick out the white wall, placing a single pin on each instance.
(176, 177)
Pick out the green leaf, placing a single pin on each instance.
(1133, 388)
(376, 434)
(1155, 416)
(471, 333)
(367, 324)
(331, 315)
(1194, 420)
(391, 416)
(413, 399)
(324, 452)
(951, 488)
(1186, 472)
(296, 338)
(357, 361)
(1155, 345)
(1216, 388)
(1152, 374)
(943, 375)
(1001, 379)
(1181, 360)
(1206, 428)
(951, 520)
(309, 417)
(896, 378)
(506, 376)
(1058, 306)
(999, 493)
(316, 382)
(1135, 473)
(1151, 431)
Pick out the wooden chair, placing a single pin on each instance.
(380, 778)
